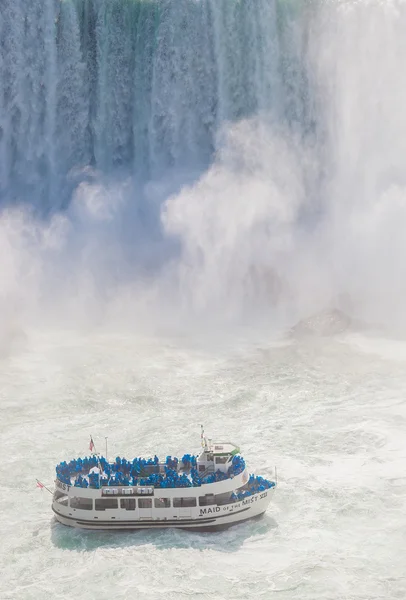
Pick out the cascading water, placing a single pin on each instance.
(139, 84)
(281, 111)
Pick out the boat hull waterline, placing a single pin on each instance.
(207, 518)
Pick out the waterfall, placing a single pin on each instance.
(279, 125)
(143, 85)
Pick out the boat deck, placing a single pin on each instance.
(97, 472)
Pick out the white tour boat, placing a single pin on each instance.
(206, 492)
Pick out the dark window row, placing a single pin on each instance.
(131, 503)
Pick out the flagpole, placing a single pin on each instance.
(91, 448)
(41, 485)
(106, 450)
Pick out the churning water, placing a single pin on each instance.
(180, 181)
(330, 415)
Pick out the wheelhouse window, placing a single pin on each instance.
(221, 460)
(162, 502)
(105, 503)
(127, 503)
(81, 503)
(144, 502)
(184, 502)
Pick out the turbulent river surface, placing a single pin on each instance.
(188, 190)
(330, 414)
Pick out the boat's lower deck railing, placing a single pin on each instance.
(254, 486)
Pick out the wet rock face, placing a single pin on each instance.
(325, 323)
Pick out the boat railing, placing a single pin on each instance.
(80, 470)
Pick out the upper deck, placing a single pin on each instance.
(217, 462)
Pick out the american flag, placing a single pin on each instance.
(39, 484)
(91, 445)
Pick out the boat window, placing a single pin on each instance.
(61, 498)
(202, 468)
(223, 498)
(144, 502)
(182, 502)
(206, 500)
(162, 502)
(104, 503)
(128, 503)
(221, 460)
(81, 503)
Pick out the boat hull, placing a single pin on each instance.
(210, 518)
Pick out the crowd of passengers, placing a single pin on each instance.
(255, 484)
(141, 472)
